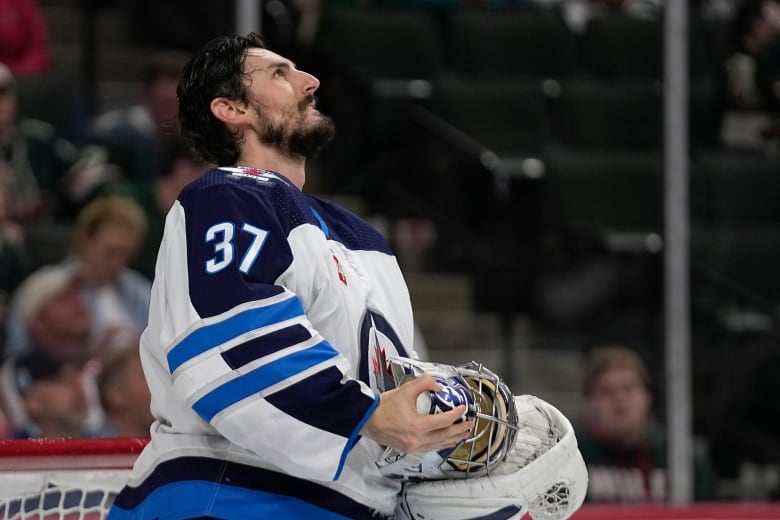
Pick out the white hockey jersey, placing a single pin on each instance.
(271, 317)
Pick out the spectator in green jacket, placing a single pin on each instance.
(624, 447)
(34, 159)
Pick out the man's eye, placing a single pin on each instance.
(279, 73)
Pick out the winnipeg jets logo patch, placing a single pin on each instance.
(260, 175)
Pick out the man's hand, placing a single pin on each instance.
(397, 423)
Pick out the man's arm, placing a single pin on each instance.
(245, 357)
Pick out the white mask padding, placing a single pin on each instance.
(543, 475)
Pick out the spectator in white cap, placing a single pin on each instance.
(48, 311)
(51, 315)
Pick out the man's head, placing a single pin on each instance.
(159, 84)
(235, 93)
(109, 232)
(53, 392)
(54, 310)
(124, 393)
(617, 394)
(756, 24)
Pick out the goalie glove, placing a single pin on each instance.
(543, 475)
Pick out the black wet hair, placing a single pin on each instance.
(215, 71)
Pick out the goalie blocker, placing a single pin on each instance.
(523, 456)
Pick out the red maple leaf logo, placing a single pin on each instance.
(381, 354)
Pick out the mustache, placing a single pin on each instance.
(310, 100)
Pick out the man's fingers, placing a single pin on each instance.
(422, 384)
(397, 423)
(444, 419)
(446, 437)
(443, 425)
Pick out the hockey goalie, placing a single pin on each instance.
(521, 458)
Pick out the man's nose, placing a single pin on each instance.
(310, 82)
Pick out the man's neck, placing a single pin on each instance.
(267, 159)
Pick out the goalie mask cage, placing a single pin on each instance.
(72, 479)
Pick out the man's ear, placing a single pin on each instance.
(231, 112)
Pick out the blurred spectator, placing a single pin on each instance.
(52, 392)
(13, 253)
(124, 148)
(715, 9)
(577, 13)
(753, 69)
(124, 394)
(623, 446)
(24, 39)
(34, 159)
(179, 168)
(108, 234)
(48, 312)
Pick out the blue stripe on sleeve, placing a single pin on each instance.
(261, 378)
(355, 437)
(210, 336)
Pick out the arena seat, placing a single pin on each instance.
(509, 44)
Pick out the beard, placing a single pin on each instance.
(302, 134)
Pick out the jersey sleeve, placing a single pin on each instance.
(250, 363)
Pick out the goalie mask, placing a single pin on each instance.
(489, 402)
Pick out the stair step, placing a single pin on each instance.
(445, 330)
(439, 291)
